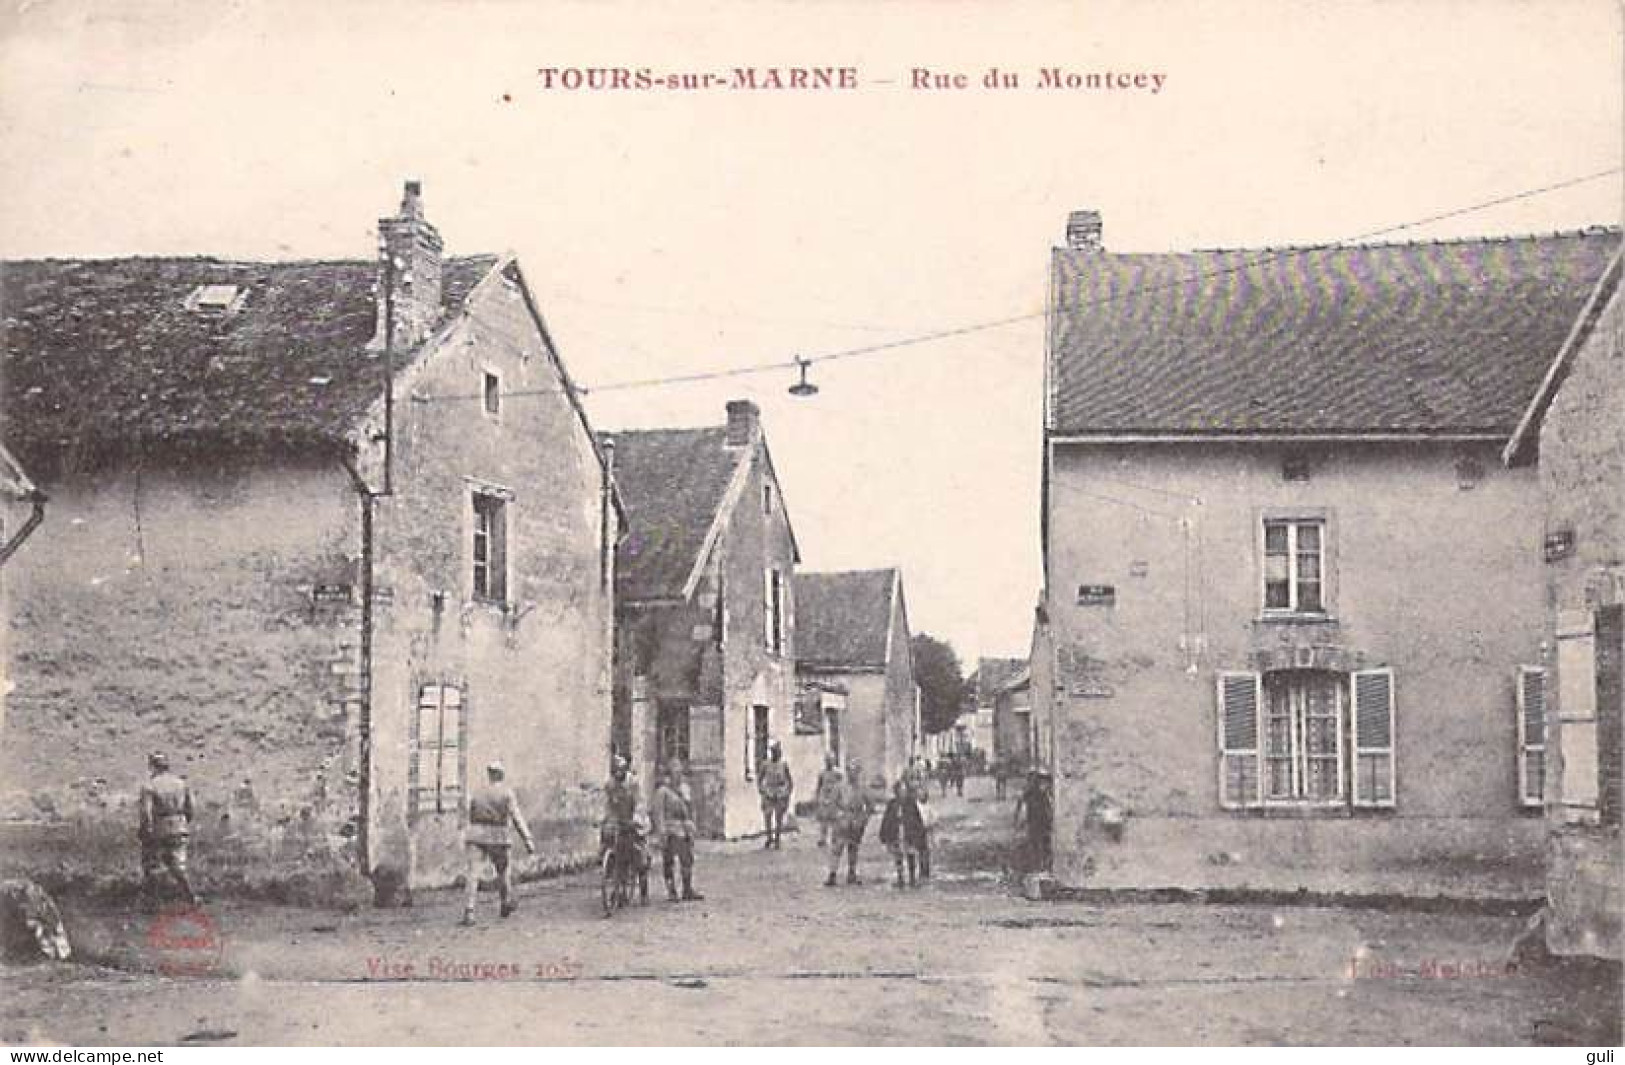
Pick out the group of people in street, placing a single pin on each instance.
(845, 806)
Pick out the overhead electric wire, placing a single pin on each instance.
(1262, 258)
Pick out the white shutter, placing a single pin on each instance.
(767, 608)
(424, 750)
(1531, 726)
(1372, 721)
(1239, 698)
(453, 736)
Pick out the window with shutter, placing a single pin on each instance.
(1531, 736)
(1610, 630)
(437, 750)
(1239, 696)
(1373, 734)
(1577, 716)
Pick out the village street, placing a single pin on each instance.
(773, 956)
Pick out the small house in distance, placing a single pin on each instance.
(705, 633)
(853, 628)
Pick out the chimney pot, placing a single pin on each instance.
(743, 417)
(1084, 231)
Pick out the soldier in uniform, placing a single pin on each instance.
(828, 794)
(166, 824)
(493, 811)
(674, 828)
(621, 815)
(775, 785)
(856, 808)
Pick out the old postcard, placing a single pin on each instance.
(811, 523)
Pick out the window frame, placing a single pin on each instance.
(486, 502)
(1523, 747)
(491, 393)
(775, 612)
(428, 760)
(1295, 521)
(1250, 685)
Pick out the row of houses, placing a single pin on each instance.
(1334, 560)
(337, 534)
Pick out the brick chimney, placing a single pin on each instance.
(410, 255)
(1083, 231)
(743, 418)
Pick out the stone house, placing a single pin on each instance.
(706, 613)
(334, 535)
(1572, 704)
(853, 631)
(1017, 734)
(1000, 736)
(1289, 591)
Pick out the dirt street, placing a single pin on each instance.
(773, 956)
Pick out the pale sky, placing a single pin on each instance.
(670, 232)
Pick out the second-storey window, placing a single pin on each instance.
(1294, 566)
(775, 611)
(490, 547)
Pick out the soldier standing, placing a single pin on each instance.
(675, 829)
(856, 808)
(166, 825)
(775, 785)
(828, 794)
(493, 811)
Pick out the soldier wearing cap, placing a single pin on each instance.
(675, 830)
(493, 812)
(166, 825)
(775, 785)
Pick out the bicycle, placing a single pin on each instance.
(622, 866)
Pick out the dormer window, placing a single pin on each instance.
(216, 299)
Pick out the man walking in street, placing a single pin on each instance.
(166, 825)
(856, 808)
(1034, 811)
(493, 812)
(675, 829)
(902, 830)
(775, 785)
(828, 795)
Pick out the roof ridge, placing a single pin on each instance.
(1594, 230)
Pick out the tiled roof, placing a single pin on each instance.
(993, 675)
(1439, 337)
(842, 619)
(104, 352)
(672, 482)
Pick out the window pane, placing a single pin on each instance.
(1309, 537)
(1277, 595)
(1309, 596)
(1309, 567)
(1274, 538)
(1322, 778)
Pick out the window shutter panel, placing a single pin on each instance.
(1531, 736)
(767, 607)
(453, 738)
(425, 735)
(1239, 696)
(1373, 727)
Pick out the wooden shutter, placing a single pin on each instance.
(453, 741)
(1372, 722)
(424, 750)
(1576, 735)
(1239, 696)
(1531, 735)
(767, 608)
